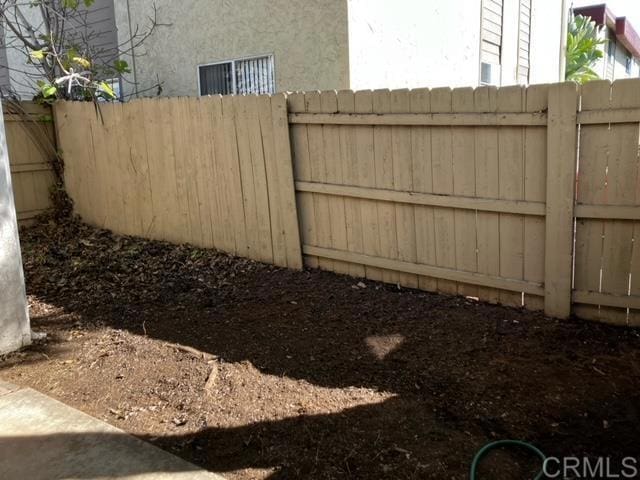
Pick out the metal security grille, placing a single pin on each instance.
(240, 77)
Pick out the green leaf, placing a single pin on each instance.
(121, 66)
(88, 3)
(583, 49)
(47, 89)
(106, 88)
(72, 4)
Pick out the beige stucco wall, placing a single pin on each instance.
(307, 38)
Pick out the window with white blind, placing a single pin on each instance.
(239, 77)
(491, 42)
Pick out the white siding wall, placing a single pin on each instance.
(612, 70)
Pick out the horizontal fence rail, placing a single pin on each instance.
(524, 196)
(427, 199)
(422, 119)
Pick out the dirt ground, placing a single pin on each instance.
(258, 372)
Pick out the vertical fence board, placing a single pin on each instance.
(313, 104)
(442, 171)
(274, 192)
(232, 166)
(403, 181)
(511, 185)
(333, 173)
(423, 182)
(99, 182)
(487, 186)
(591, 190)
(366, 176)
(302, 172)
(202, 159)
(226, 238)
(383, 157)
(258, 170)
(464, 184)
(350, 175)
(535, 176)
(561, 180)
(285, 183)
(163, 150)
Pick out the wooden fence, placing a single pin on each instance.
(214, 172)
(464, 191)
(31, 143)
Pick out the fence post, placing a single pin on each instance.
(561, 181)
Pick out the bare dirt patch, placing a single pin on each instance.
(258, 372)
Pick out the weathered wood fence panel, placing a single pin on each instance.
(465, 191)
(443, 190)
(211, 171)
(607, 257)
(31, 143)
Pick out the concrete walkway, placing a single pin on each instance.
(43, 439)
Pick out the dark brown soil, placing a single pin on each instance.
(258, 372)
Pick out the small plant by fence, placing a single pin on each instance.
(464, 191)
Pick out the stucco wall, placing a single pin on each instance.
(14, 321)
(307, 38)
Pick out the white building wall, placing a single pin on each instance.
(547, 40)
(418, 43)
(613, 69)
(620, 63)
(413, 43)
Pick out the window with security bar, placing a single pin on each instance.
(239, 77)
